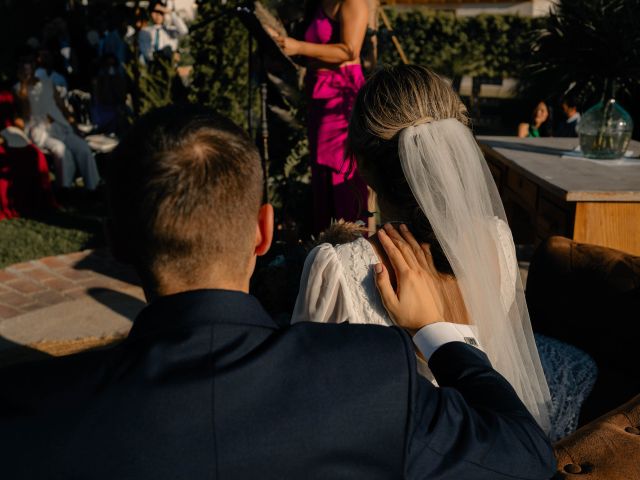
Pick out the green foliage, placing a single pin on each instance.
(221, 80)
(485, 45)
(26, 239)
(151, 86)
(584, 43)
(220, 51)
(293, 174)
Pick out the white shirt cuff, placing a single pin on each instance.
(431, 337)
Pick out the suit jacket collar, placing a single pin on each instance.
(201, 308)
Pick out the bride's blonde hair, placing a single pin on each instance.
(395, 98)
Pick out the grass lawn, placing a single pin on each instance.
(76, 226)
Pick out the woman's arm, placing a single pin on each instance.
(523, 130)
(354, 16)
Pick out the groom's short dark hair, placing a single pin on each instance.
(184, 190)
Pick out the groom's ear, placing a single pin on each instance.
(264, 230)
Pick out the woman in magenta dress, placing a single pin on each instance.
(333, 41)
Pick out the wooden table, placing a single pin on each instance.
(546, 194)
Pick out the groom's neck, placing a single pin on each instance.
(164, 283)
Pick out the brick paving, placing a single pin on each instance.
(39, 284)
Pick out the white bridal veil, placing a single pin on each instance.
(452, 184)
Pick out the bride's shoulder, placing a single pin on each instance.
(344, 242)
(352, 253)
(341, 233)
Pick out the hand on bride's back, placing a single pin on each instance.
(416, 301)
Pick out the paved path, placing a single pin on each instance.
(67, 297)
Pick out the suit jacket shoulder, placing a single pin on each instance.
(208, 385)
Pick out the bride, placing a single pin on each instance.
(409, 134)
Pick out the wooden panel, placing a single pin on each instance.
(497, 172)
(521, 220)
(551, 219)
(524, 188)
(611, 224)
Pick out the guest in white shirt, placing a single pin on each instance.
(50, 129)
(570, 108)
(161, 36)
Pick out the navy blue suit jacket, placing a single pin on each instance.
(207, 386)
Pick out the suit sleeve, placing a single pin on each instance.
(473, 426)
(178, 28)
(144, 45)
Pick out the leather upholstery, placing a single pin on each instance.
(589, 296)
(606, 449)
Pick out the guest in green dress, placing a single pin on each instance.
(539, 125)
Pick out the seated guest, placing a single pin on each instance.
(567, 128)
(49, 127)
(109, 88)
(540, 123)
(207, 385)
(46, 69)
(25, 187)
(113, 41)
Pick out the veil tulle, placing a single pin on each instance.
(452, 184)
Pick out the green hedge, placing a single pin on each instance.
(484, 45)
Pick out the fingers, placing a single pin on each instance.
(404, 247)
(421, 251)
(431, 268)
(396, 258)
(388, 295)
(418, 250)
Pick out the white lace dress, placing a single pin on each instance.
(338, 285)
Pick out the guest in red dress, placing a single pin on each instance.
(25, 186)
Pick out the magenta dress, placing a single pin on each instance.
(338, 193)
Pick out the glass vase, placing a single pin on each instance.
(605, 131)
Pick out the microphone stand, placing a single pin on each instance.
(240, 11)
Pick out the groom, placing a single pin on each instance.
(208, 386)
